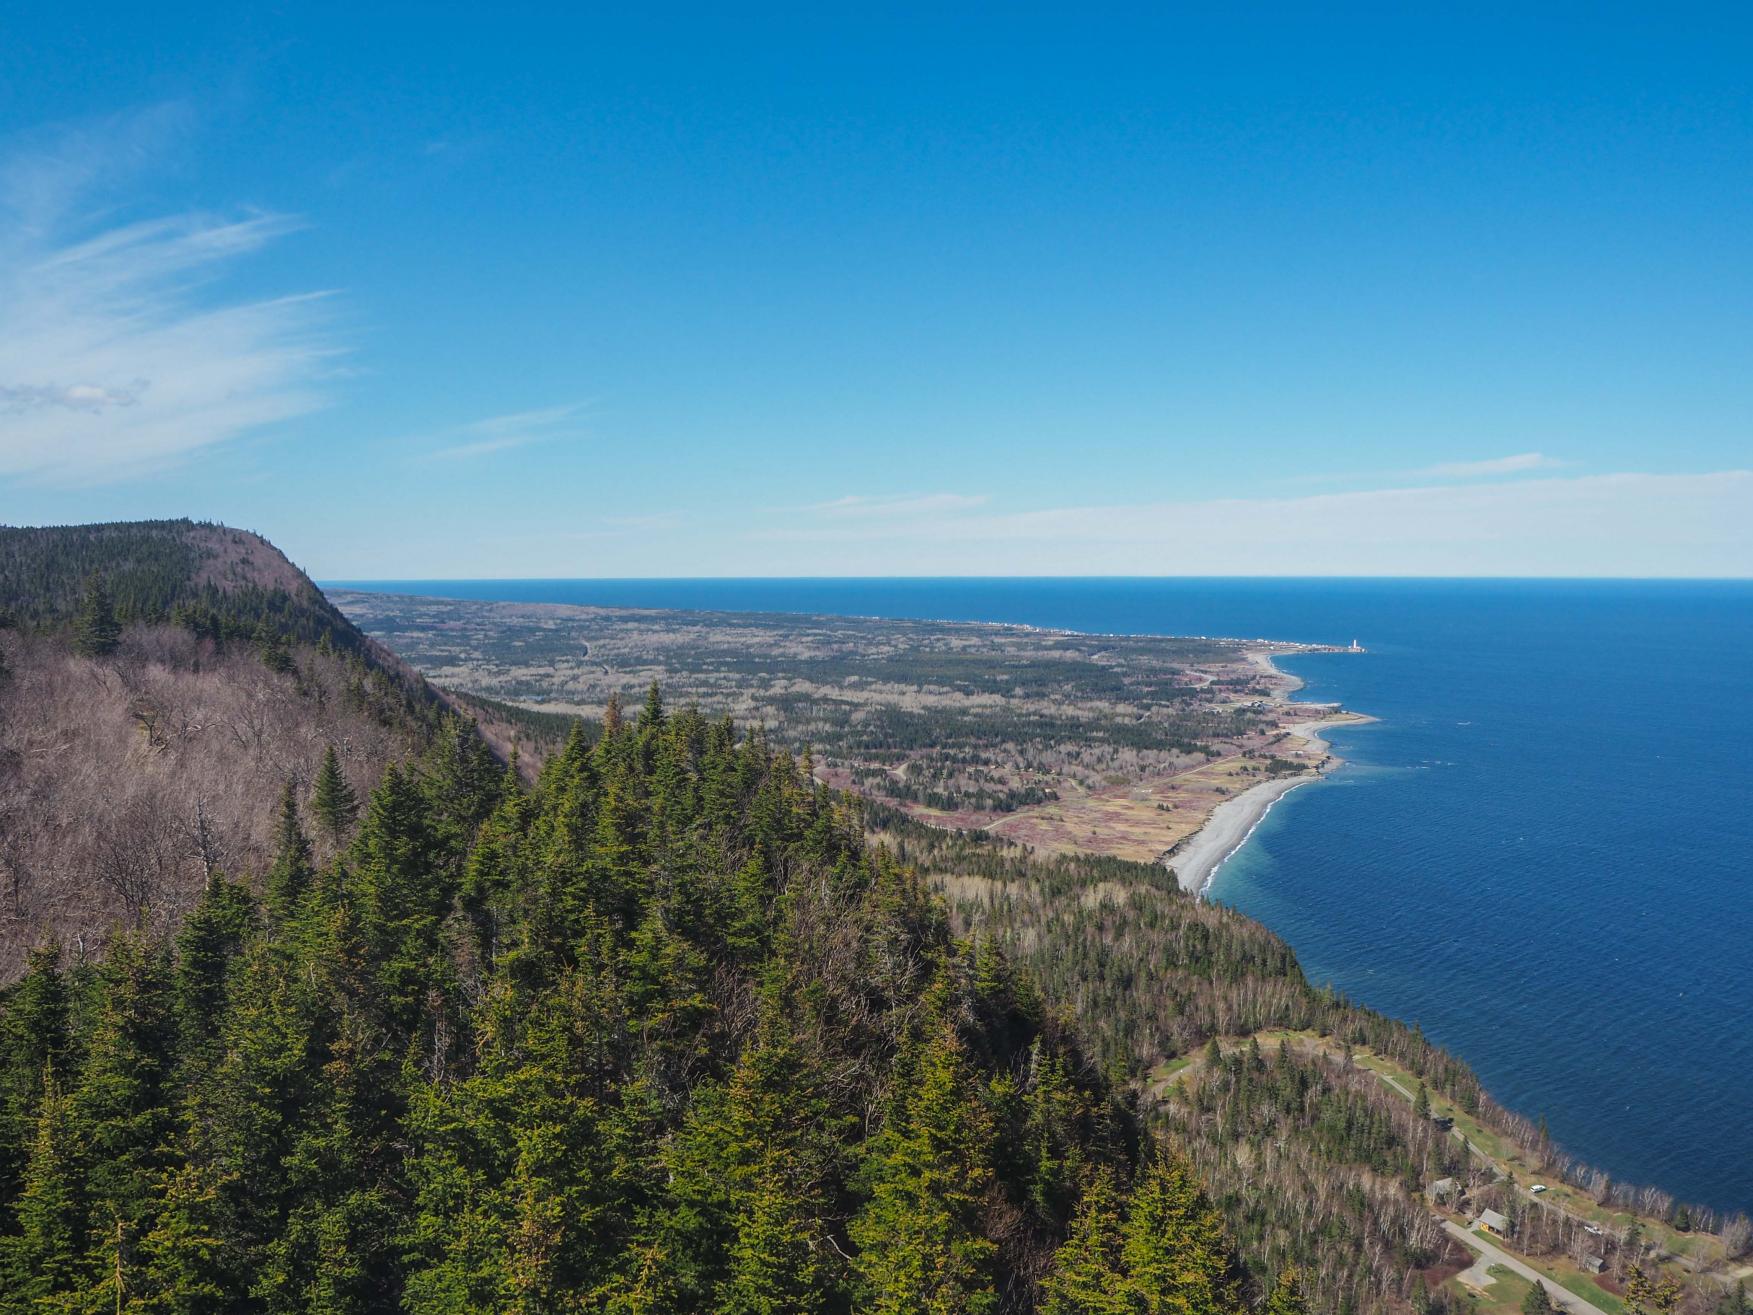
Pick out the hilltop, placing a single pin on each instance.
(135, 766)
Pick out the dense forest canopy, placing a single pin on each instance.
(215, 580)
(663, 1034)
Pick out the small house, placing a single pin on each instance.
(1593, 1264)
(1492, 1222)
(1443, 1190)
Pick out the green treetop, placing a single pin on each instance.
(96, 632)
(335, 804)
(920, 1249)
(290, 876)
(1287, 1294)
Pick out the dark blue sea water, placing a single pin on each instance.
(1543, 852)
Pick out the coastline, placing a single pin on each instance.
(1233, 821)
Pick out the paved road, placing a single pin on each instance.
(1456, 1133)
(1563, 1298)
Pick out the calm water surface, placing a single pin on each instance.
(1543, 852)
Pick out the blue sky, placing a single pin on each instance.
(489, 291)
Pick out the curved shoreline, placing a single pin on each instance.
(1234, 820)
(1227, 829)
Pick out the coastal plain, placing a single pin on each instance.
(1137, 747)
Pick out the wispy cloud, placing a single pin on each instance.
(1618, 524)
(500, 433)
(1488, 469)
(116, 359)
(854, 506)
(1442, 472)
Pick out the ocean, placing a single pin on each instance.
(1542, 852)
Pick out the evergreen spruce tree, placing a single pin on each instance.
(96, 632)
(779, 1260)
(44, 1260)
(783, 1164)
(1649, 1296)
(290, 876)
(402, 897)
(1421, 1105)
(273, 649)
(920, 1246)
(1087, 1277)
(1537, 1301)
(651, 716)
(122, 1104)
(34, 1038)
(189, 1261)
(1287, 1294)
(1176, 1256)
(264, 1089)
(211, 937)
(334, 803)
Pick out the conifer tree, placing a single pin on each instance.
(1537, 1301)
(44, 1259)
(290, 876)
(1176, 1256)
(334, 803)
(264, 1087)
(96, 632)
(783, 1162)
(122, 1103)
(1421, 1105)
(494, 872)
(613, 720)
(920, 1248)
(1647, 1296)
(778, 1260)
(462, 785)
(1287, 1294)
(34, 1038)
(651, 716)
(190, 1264)
(211, 937)
(402, 895)
(273, 649)
(1087, 1276)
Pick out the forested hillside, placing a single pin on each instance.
(1317, 1163)
(662, 1035)
(160, 684)
(210, 579)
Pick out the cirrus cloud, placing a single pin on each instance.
(1621, 524)
(116, 359)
